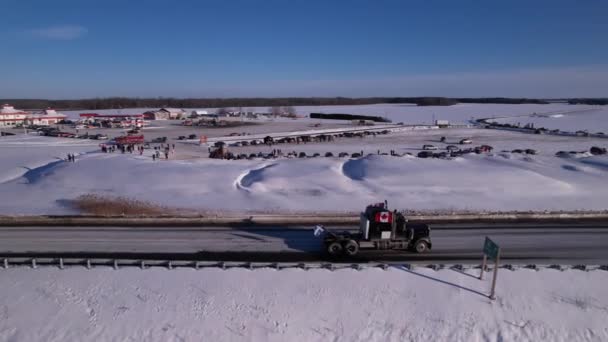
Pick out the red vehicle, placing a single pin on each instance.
(130, 139)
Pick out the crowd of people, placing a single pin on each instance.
(164, 149)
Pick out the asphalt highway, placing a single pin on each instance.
(521, 243)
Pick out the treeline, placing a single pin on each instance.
(602, 102)
(503, 100)
(347, 117)
(130, 102)
(127, 102)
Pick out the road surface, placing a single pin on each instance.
(536, 243)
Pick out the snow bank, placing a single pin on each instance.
(497, 182)
(595, 119)
(23, 153)
(296, 305)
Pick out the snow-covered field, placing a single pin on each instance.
(370, 305)
(34, 179)
(23, 153)
(407, 113)
(594, 120)
(501, 181)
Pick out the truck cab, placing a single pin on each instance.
(380, 229)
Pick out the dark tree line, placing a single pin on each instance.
(589, 101)
(134, 102)
(503, 100)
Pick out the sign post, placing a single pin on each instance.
(492, 251)
(483, 266)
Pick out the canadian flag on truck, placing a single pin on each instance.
(384, 217)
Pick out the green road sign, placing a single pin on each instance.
(490, 249)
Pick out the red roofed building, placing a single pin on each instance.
(9, 116)
(47, 117)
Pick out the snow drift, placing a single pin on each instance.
(497, 182)
(76, 304)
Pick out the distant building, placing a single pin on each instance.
(442, 123)
(9, 116)
(114, 120)
(165, 114)
(47, 117)
(199, 113)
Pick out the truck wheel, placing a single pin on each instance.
(334, 249)
(421, 246)
(351, 248)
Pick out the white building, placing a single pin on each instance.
(47, 117)
(9, 116)
(165, 113)
(175, 113)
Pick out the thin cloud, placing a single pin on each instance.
(64, 32)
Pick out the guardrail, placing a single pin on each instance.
(116, 264)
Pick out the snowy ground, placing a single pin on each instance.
(76, 304)
(594, 120)
(402, 112)
(498, 181)
(34, 179)
(501, 181)
(22, 153)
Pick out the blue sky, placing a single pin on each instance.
(87, 48)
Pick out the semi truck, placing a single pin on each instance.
(379, 229)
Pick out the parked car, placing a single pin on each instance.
(531, 151)
(483, 149)
(452, 148)
(595, 150)
(425, 154)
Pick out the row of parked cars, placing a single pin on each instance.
(594, 150)
(55, 132)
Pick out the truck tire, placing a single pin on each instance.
(421, 246)
(351, 248)
(334, 248)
